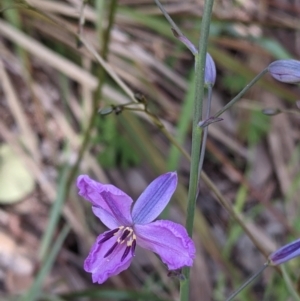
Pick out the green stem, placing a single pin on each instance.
(247, 282)
(241, 94)
(205, 132)
(196, 136)
(100, 13)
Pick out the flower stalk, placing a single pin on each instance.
(242, 93)
(176, 29)
(247, 282)
(197, 135)
(205, 133)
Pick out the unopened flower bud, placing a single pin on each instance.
(271, 111)
(140, 97)
(106, 111)
(285, 253)
(286, 71)
(210, 71)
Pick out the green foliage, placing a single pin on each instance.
(234, 83)
(259, 127)
(115, 150)
(273, 46)
(276, 288)
(254, 127)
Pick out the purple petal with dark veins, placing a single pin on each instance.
(103, 268)
(169, 240)
(154, 199)
(106, 218)
(285, 253)
(106, 197)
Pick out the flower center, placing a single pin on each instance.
(126, 240)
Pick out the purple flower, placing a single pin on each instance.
(114, 249)
(285, 253)
(286, 71)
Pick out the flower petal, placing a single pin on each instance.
(107, 197)
(103, 267)
(154, 199)
(106, 218)
(285, 253)
(169, 240)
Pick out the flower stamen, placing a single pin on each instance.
(126, 233)
(110, 250)
(126, 252)
(131, 244)
(109, 235)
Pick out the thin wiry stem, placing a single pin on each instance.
(241, 94)
(247, 282)
(169, 19)
(176, 30)
(205, 132)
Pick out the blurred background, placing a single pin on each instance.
(52, 84)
